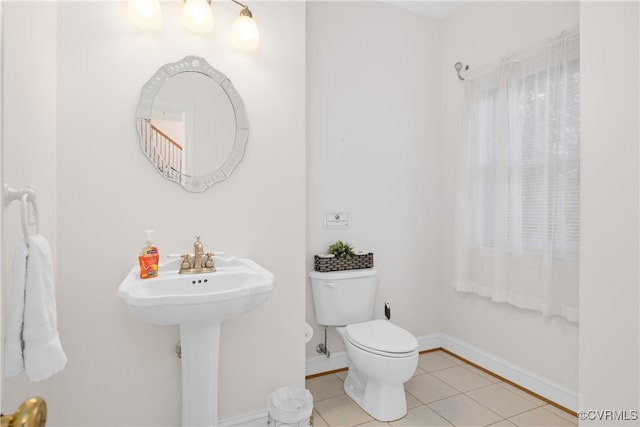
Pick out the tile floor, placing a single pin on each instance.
(445, 391)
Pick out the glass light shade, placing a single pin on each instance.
(244, 33)
(197, 16)
(145, 13)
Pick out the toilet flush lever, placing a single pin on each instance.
(330, 285)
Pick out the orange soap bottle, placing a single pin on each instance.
(148, 259)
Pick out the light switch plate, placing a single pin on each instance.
(337, 220)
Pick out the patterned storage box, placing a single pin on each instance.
(356, 262)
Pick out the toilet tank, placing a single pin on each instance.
(344, 297)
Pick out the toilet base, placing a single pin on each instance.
(384, 402)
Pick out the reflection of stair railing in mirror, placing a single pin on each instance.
(165, 153)
(31, 413)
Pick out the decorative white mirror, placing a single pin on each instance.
(192, 123)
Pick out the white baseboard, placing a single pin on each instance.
(538, 384)
(429, 342)
(319, 364)
(531, 381)
(256, 419)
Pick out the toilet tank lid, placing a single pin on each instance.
(382, 335)
(343, 274)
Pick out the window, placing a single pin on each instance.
(518, 202)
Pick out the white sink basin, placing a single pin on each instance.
(238, 286)
(198, 303)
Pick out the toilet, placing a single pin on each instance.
(382, 356)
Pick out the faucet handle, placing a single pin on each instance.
(209, 262)
(185, 262)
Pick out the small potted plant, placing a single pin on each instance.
(341, 249)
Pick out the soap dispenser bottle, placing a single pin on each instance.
(148, 259)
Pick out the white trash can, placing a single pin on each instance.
(290, 406)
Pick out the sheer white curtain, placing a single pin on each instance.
(518, 183)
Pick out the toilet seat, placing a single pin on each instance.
(382, 337)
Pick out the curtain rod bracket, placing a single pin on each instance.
(459, 66)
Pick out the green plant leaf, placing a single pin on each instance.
(341, 249)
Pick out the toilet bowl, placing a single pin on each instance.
(382, 357)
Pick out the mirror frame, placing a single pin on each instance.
(190, 64)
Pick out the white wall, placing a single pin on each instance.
(609, 322)
(1, 214)
(374, 151)
(122, 371)
(84, 88)
(28, 145)
(384, 110)
(480, 33)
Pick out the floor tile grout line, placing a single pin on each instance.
(451, 421)
(538, 405)
(546, 410)
(492, 410)
(465, 391)
(518, 386)
(535, 404)
(469, 397)
(502, 418)
(440, 415)
(465, 364)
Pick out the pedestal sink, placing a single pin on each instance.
(198, 303)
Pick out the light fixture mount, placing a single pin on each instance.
(245, 9)
(244, 33)
(197, 16)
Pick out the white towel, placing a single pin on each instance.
(42, 351)
(13, 360)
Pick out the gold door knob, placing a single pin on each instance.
(32, 413)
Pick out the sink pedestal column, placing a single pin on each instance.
(199, 344)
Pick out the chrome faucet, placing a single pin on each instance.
(200, 262)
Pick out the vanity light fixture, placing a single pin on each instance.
(244, 33)
(145, 13)
(197, 16)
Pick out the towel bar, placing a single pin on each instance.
(25, 196)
